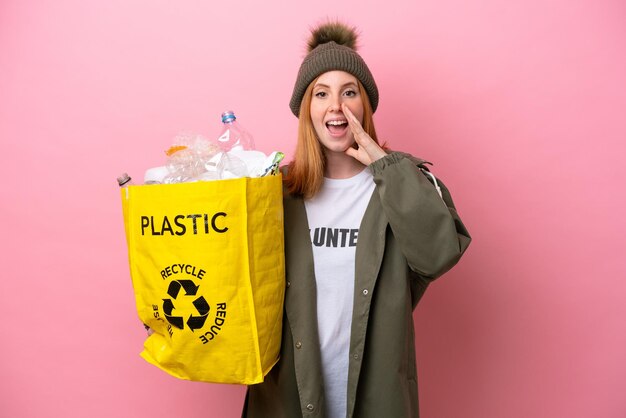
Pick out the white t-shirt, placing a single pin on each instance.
(334, 216)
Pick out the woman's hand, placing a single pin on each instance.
(367, 150)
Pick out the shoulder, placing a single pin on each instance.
(398, 157)
(417, 161)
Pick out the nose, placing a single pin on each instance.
(335, 104)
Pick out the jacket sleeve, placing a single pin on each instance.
(426, 225)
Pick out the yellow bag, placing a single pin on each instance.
(208, 270)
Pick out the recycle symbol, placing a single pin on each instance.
(201, 305)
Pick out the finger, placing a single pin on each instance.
(347, 111)
(355, 126)
(352, 120)
(352, 152)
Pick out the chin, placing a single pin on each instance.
(337, 148)
(335, 145)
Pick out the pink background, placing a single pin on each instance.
(521, 105)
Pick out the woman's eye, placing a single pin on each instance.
(350, 93)
(320, 94)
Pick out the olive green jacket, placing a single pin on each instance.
(408, 237)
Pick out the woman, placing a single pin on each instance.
(365, 232)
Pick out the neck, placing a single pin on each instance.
(340, 165)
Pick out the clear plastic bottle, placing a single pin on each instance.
(155, 175)
(233, 135)
(124, 180)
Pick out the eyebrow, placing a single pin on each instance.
(349, 83)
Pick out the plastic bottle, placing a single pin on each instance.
(124, 180)
(233, 135)
(155, 175)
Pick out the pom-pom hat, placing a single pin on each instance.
(332, 47)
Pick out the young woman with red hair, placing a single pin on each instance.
(366, 231)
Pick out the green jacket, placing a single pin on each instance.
(408, 237)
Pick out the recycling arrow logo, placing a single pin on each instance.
(201, 305)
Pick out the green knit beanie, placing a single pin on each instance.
(332, 47)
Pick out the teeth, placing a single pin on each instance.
(336, 122)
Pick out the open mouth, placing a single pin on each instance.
(337, 127)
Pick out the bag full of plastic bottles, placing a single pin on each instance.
(206, 256)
